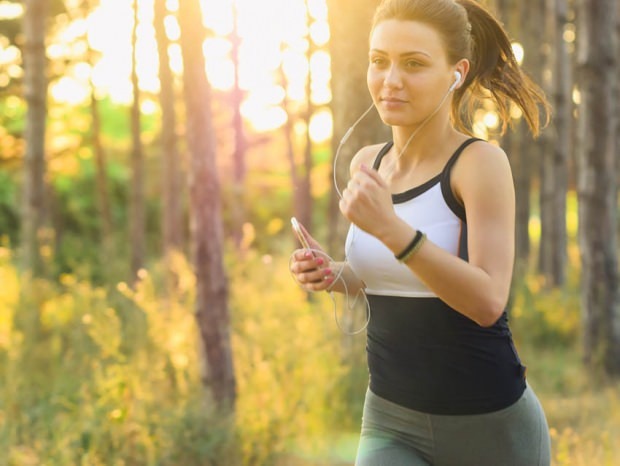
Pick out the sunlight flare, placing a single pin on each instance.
(9, 11)
(519, 52)
(321, 126)
(69, 90)
(273, 50)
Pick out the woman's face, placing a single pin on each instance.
(408, 73)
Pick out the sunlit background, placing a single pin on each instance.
(283, 43)
(274, 35)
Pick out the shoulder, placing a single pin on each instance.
(366, 155)
(481, 166)
(482, 151)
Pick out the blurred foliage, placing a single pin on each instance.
(72, 191)
(9, 220)
(112, 374)
(97, 375)
(12, 117)
(583, 413)
(547, 316)
(286, 356)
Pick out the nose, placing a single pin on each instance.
(393, 78)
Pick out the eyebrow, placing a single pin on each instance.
(403, 55)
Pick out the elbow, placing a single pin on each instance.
(489, 321)
(492, 310)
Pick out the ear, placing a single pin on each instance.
(462, 67)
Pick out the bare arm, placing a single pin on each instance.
(479, 288)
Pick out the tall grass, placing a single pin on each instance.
(582, 406)
(94, 376)
(110, 376)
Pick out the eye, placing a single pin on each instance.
(378, 61)
(412, 64)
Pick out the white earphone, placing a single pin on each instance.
(457, 80)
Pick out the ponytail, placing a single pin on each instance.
(495, 71)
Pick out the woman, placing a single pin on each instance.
(432, 245)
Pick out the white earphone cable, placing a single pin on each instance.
(345, 262)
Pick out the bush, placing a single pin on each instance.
(111, 376)
(543, 316)
(287, 360)
(84, 384)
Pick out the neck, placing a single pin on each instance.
(426, 139)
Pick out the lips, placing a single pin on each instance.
(393, 100)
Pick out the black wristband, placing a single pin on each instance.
(411, 246)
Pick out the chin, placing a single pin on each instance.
(394, 120)
(400, 119)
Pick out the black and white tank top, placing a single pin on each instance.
(423, 354)
(431, 208)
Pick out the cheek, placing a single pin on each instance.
(373, 81)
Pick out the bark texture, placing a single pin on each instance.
(211, 310)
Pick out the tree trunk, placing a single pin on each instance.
(597, 189)
(554, 172)
(206, 218)
(617, 81)
(103, 196)
(300, 173)
(35, 90)
(516, 143)
(136, 210)
(520, 161)
(172, 218)
(305, 202)
(537, 47)
(287, 128)
(298, 180)
(240, 169)
(350, 23)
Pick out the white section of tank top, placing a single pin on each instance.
(376, 265)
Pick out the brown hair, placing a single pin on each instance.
(469, 31)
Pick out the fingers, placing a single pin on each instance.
(305, 262)
(372, 174)
(312, 273)
(367, 177)
(366, 195)
(363, 182)
(359, 189)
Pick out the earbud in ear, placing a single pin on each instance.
(457, 80)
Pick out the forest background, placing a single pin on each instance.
(151, 155)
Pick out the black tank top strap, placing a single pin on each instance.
(446, 188)
(382, 153)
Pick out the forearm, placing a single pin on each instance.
(347, 281)
(465, 287)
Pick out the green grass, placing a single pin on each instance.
(583, 411)
(96, 376)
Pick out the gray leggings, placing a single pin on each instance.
(396, 436)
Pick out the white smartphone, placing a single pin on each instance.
(299, 233)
